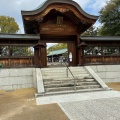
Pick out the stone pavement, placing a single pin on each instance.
(76, 97)
(101, 105)
(100, 109)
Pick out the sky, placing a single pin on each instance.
(13, 8)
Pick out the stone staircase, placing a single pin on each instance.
(61, 81)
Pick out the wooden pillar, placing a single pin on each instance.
(80, 59)
(81, 47)
(40, 55)
(37, 62)
(79, 51)
(43, 56)
(72, 51)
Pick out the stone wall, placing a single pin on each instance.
(108, 73)
(11, 79)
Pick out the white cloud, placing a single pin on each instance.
(92, 6)
(14, 7)
(82, 3)
(97, 4)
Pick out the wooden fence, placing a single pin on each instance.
(90, 60)
(9, 62)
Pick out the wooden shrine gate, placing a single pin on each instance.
(57, 21)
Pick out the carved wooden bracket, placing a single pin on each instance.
(40, 45)
(60, 8)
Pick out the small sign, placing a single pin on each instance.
(70, 57)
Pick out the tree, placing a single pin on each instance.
(8, 25)
(92, 31)
(110, 18)
(16, 51)
(57, 47)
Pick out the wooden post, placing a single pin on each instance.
(36, 56)
(43, 55)
(40, 55)
(79, 54)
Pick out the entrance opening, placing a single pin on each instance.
(57, 54)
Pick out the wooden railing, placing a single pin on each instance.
(8, 62)
(91, 60)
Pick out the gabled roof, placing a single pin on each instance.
(42, 6)
(69, 8)
(57, 52)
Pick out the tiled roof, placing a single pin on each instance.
(57, 52)
(100, 38)
(19, 36)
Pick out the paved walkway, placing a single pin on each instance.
(102, 105)
(101, 109)
(77, 97)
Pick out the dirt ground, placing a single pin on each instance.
(20, 105)
(114, 86)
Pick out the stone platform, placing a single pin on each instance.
(100, 105)
(99, 109)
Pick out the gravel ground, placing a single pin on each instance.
(100, 109)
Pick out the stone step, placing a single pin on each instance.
(59, 89)
(73, 70)
(61, 70)
(88, 86)
(88, 77)
(77, 67)
(63, 73)
(77, 71)
(68, 92)
(71, 88)
(70, 76)
(59, 85)
(68, 81)
(69, 84)
(60, 80)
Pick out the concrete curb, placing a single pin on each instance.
(98, 79)
(67, 114)
(40, 85)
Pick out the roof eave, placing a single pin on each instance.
(48, 2)
(19, 36)
(100, 38)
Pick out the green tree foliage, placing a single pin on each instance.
(56, 47)
(92, 31)
(16, 51)
(110, 18)
(8, 25)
